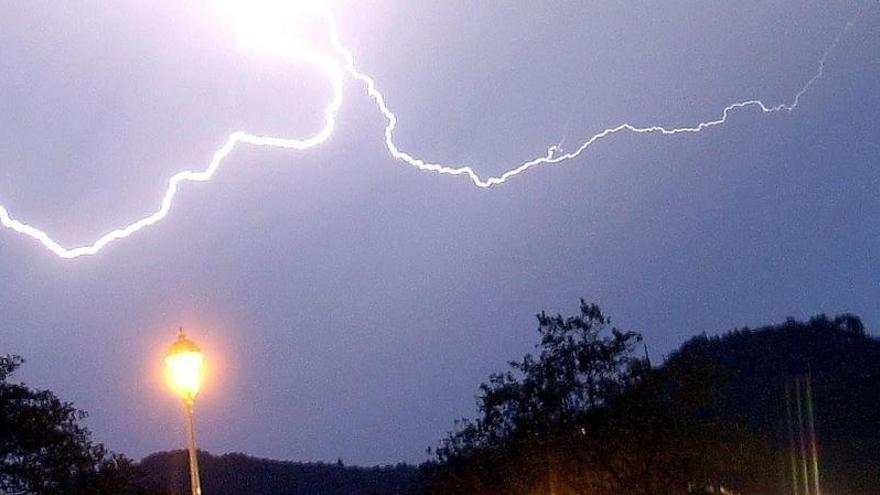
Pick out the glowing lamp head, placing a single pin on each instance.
(184, 366)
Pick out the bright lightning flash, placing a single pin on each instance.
(265, 25)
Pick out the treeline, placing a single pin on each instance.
(243, 474)
(776, 410)
(44, 450)
(588, 414)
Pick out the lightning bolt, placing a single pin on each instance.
(340, 63)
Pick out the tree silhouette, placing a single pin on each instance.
(45, 450)
(587, 415)
(531, 413)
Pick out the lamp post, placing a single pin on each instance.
(184, 366)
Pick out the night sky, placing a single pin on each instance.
(349, 304)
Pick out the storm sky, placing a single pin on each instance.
(349, 304)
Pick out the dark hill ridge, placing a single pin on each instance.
(753, 368)
(237, 474)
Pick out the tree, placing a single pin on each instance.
(45, 450)
(587, 415)
(530, 414)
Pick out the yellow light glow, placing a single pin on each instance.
(184, 366)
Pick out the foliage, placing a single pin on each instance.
(587, 416)
(844, 364)
(583, 415)
(45, 450)
(578, 368)
(532, 415)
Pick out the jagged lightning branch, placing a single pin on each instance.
(331, 65)
(554, 154)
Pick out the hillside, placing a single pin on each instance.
(236, 474)
(753, 368)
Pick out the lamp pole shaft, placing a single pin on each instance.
(196, 486)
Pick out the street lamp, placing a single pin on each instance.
(183, 364)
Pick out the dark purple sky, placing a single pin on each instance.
(350, 305)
